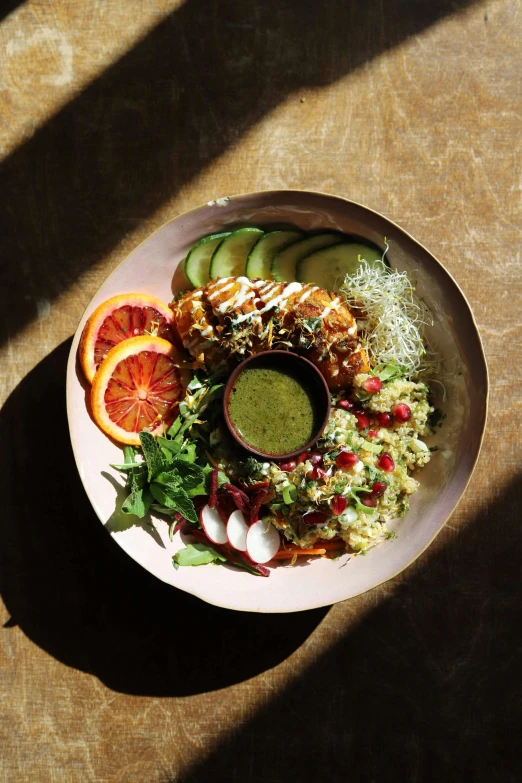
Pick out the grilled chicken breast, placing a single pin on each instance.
(234, 317)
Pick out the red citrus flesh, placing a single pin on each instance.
(142, 390)
(129, 321)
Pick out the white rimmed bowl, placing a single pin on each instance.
(155, 268)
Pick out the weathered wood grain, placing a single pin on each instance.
(115, 117)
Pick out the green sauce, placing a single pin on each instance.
(271, 410)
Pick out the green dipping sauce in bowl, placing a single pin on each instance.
(275, 404)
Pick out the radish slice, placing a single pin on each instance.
(262, 541)
(213, 525)
(237, 530)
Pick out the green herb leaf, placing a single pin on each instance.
(152, 453)
(192, 475)
(197, 554)
(175, 498)
(169, 444)
(129, 454)
(140, 499)
(125, 466)
(188, 452)
(175, 427)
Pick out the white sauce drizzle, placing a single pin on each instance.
(332, 306)
(290, 289)
(221, 288)
(243, 296)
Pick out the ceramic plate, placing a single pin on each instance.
(155, 267)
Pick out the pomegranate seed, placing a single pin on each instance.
(346, 405)
(338, 505)
(363, 420)
(302, 458)
(368, 501)
(372, 385)
(288, 466)
(402, 412)
(386, 462)
(315, 518)
(316, 473)
(384, 419)
(316, 458)
(373, 434)
(378, 488)
(347, 459)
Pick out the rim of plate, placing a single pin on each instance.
(71, 377)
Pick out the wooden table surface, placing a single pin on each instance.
(115, 117)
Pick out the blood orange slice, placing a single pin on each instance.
(137, 386)
(118, 319)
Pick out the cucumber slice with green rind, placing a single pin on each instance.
(230, 257)
(260, 258)
(327, 268)
(284, 264)
(197, 262)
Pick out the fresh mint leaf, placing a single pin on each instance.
(152, 453)
(191, 475)
(139, 501)
(169, 444)
(175, 498)
(168, 478)
(197, 554)
(203, 487)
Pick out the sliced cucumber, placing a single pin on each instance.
(230, 257)
(259, 261)
(284, 264)
(328, 267)
(197, 263)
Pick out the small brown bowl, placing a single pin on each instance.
(304, 371)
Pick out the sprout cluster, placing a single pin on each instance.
(390, 317)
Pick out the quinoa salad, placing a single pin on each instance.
(361, 469)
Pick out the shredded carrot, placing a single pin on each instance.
(333, 544)
(287, 554)
(290, 550)
(212, 460)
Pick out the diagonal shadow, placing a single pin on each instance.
(169, 107)
(76, 594)
(8, 6)
(426, 688)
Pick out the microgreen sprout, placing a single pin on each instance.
(393, 318)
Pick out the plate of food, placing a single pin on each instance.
(277, 400)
